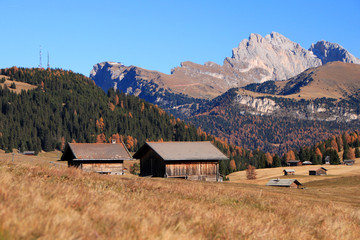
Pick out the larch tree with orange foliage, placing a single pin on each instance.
(117, 99)
(232, 165)
(334, 144)
(101, 138)
(351, 153)
(269, 158)
(100, 124)
(290, 155)
(250, 172)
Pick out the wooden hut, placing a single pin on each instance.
(189, 160)
(293, 163)
(307, 163)
(291, 183)
(319, 171)
(349, 162)
(103, 158)
(289, 172)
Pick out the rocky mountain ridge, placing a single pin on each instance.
(257, 59)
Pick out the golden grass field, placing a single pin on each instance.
(40, 200)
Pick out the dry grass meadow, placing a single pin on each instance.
(42, 200)
(19, 85)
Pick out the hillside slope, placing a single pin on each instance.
(65, 106)
(336, 80)
(276, 116)
(69, 204)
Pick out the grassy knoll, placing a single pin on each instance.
(46, 202)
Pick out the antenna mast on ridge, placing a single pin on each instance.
(48, 60)
(40, 66)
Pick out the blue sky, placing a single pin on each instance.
(158, 35)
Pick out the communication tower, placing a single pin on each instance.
(40, 66)
(48, 60)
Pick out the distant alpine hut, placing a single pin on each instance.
(317, 172)
(289, 172)
(349, 162)
(327, 160)
(307, 163)
(103, 158)
(293, 163)
(291, 183)
(188, 160)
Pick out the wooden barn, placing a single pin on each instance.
(319, 171)
(349, 162)
(289, 172)
(291, 183)
(103, 158)
(293, 163)
(189, 160)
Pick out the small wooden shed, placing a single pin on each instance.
(189, 160)
(349, 162)
(103, 158)
(289, 172)
(307, 163)
(319, 171)
(291, 183)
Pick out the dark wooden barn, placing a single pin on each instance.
(103, 158)
(319, 171)
(189, 160)
(293, 163)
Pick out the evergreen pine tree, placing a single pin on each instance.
(357, 152)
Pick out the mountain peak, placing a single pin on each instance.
(330, 52)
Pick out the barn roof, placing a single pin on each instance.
(289, 170)
(176, 151)
(99, 151)
(282, 182)
(318, 169)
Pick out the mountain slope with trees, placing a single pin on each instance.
(69, 107)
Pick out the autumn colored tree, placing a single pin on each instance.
(101, 138)
(340, 143)
(350, 153)
(290, 155)
(334, 144)
(111, 106)
(250, 172)
(142, 107)
(100, 124)
(62, 143)
(269, 158)
(232, 165)
(129, 141)
(117, 99)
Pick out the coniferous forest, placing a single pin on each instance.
(68, 107)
